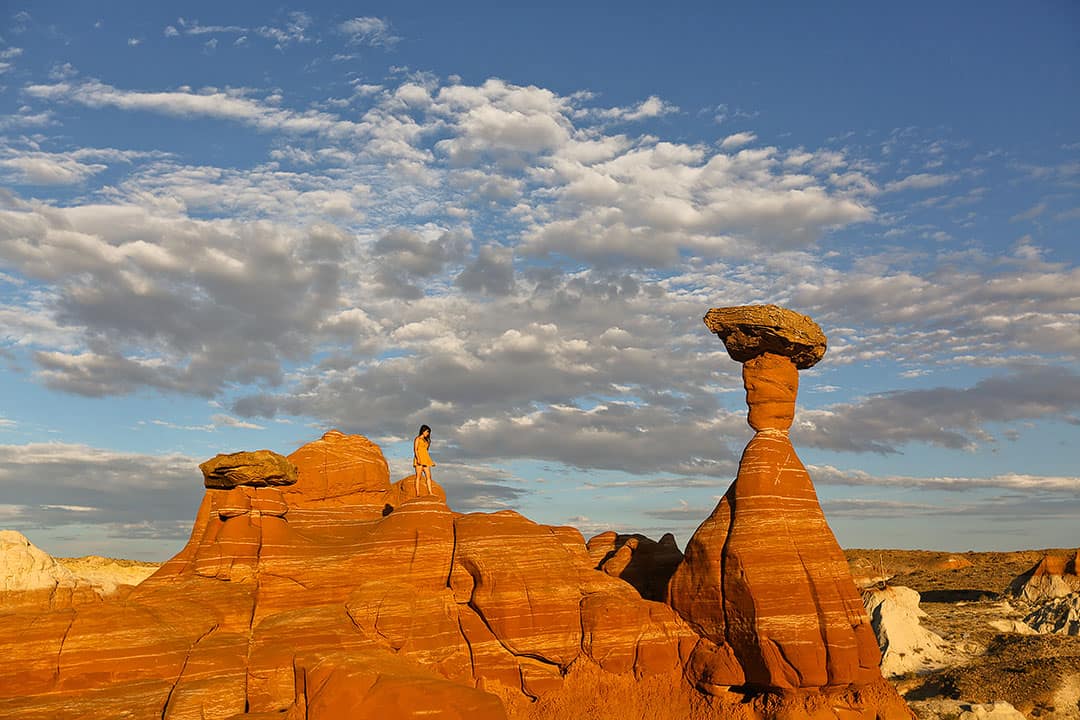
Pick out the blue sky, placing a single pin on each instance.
(230, 226)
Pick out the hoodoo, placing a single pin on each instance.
(313, 588)
(763, 578)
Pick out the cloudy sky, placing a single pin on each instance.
(230, 226)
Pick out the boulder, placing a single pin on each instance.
(751, 330)
(952, 562)
(258, 468)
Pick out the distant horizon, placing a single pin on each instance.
(228, 227)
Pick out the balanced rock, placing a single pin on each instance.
(751, 330)
(763, 578)
(261, 467)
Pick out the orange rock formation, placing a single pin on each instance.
(313, 588)
(763, 578)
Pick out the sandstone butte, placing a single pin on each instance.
(334, 593)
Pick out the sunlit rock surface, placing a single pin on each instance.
(312, 587)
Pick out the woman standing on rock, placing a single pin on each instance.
(422, 461)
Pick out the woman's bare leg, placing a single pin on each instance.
(417, 483)
(428, 477)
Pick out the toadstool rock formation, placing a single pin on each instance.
(313, 588)
(763, 579)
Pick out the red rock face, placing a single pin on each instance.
(341, 595)
(763, 578)
(644, 563)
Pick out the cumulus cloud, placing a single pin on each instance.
(204, 303)
(650, 107)
(495, 259)
(38, 168)
(491, 272)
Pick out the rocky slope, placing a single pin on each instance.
(995, 658)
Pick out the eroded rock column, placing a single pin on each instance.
(764, 575)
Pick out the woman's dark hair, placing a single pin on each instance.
(421, 433)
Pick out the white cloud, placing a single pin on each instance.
(229, 421)
(828, 475)
(1031, 213)
(737, 140)
(40, 168)
(184, 103)
(650, 107)
(919, 181)
(371, 31)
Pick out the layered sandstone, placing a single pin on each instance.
(313, 588)
(763, 580)
(644, 563)
(340, 594)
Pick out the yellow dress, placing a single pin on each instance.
(421, 457)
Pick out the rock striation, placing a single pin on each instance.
(763, 580)
(314, 588)
(342, 595)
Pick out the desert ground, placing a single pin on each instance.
(1038, 674)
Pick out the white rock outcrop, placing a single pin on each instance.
(905, 645)
(24, 566)
(1059, 615)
